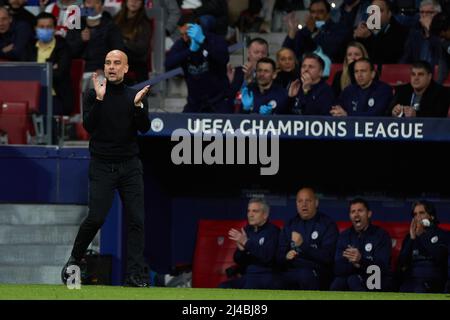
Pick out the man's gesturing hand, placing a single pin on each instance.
(99, 86)
(140, 95)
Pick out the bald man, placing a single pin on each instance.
(112, 114)
(306, 246)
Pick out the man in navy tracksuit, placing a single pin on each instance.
(422, 263)
(264, 96)
(306, 246)
(256, 249)
(367, 97)
(203, 57)
(359, 247)
(315, 97)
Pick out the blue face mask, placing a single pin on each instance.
(45, 35)
(319, 24)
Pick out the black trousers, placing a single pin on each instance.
(104, 178)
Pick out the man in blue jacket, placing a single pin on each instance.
(203, 57)
(367, 97)
(307, 245)
(256, 249)
(359, 247)
(265, 96)
(315, 97)
(422, 263)
(318, 30)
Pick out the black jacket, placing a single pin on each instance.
(434, 103)
(61, 60)
(388, 45)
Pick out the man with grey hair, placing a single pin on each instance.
(256, 247)
(421, 44)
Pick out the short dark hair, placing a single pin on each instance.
(188, 18)
(315, 57)
(47, 15)
(258, 40)
(372, 66)
(389, 4)
(423, 65)
(267, 60)
(429, 208)
(360, 200)
(440, 23)
(325, 2)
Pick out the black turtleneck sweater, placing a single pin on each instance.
(113, 122)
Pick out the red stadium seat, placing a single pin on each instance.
(397, 231)
(76, 75)
(335, 67)
(15, 122)
(21, 91)
(395, 74)
(214, 251)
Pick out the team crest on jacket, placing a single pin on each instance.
(273, 104)
(261, 241)
(371, 102)
(220, 240)
(368, 247)
(434, 239)
(314, 235)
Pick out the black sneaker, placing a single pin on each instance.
(136, 280)
(71, 262)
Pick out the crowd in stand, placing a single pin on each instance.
(197, 38)
(309, 253)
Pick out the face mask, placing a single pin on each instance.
(44, 35)
(319, 24)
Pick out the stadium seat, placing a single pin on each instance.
(397, 232)
(15, 122)
(335, 67)
(395, 74)
(76, 75)
(214, 251)
(21, 91)
(342, 225)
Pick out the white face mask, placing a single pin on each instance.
(94, 17)
(319, 24)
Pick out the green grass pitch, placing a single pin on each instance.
(60, 292)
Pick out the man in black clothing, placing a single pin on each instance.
(112, 115)
(422, 97)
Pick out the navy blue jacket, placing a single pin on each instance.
(374, 244)
(319, 234)
(425, 257)
(260, 249)
(317, 101)
(332, 38)
(372, 101)
(417, 47)
(21, 36)
(205, 70)
(276, 96)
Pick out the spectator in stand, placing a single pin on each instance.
(19, 13)
(136, 31)
(51, 48)
(264, 96)
(98, 36)
(212, 14)
(257, 48)
(440, 26)
(342, 79)
(422, 97)
(287, 67)
(203, 57)
(316, 96)
(256, 249)
(359, 247)
(319, 31)
(421, 44)
(172, 14)
(422, 263)
(307, 245)
(58, 9)
(353, 12)
(368, 97)
(385, 45)
(15, 37)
